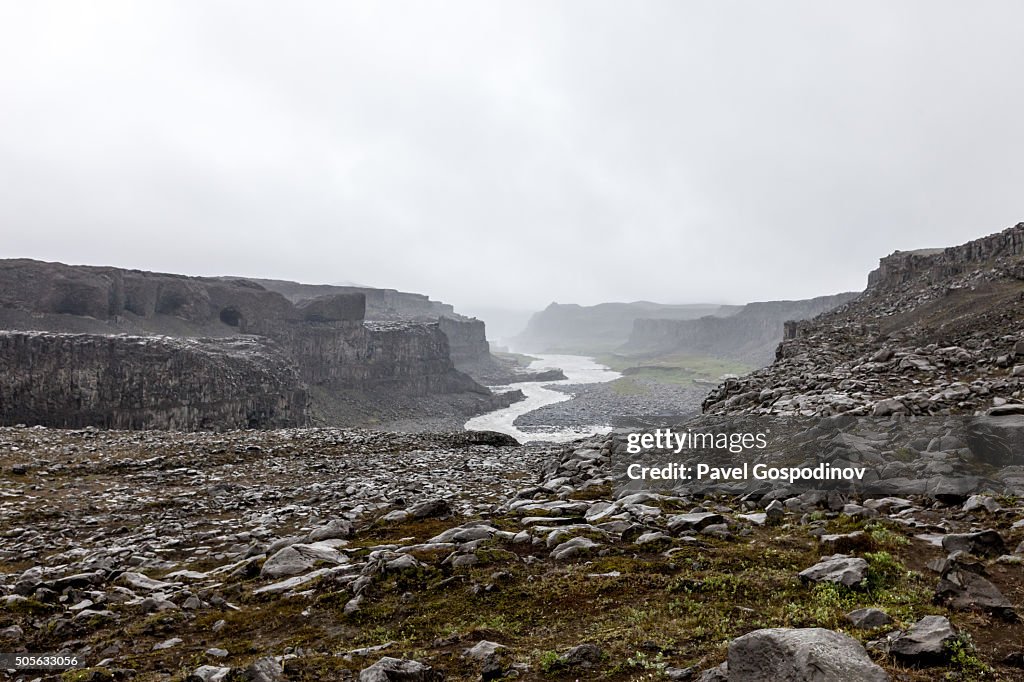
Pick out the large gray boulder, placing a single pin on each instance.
(925, 641)
(965, 590)
(979, 543)
(997, 439)
(838, 568)
(296, 559)
(390, 669)
(800, 655)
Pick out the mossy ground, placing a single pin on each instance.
(644, 609)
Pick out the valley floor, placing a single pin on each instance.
(313, 554)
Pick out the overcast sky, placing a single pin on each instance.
(511, 153)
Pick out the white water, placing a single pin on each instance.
(577, 369)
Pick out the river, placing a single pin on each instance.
(577, 369)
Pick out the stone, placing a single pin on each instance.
(925, 641)
(800, 654)
(167, 644)
(868, 619)
(431, 509)
(296, 559)
(985, 543)
(390, 669)
(966, 590)
(583, 656)
(838, 568)
(336, 529)
(719, 673)
(981, 503)
(573, 548)
(265, 670)
(997, 440)
(490, 656)
(137, 581)
(209, 673)
(696, 521)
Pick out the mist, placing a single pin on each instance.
(510, 154)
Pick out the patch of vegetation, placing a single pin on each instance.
(964, 662)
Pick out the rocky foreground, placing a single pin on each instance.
(323, 554)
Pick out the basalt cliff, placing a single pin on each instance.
(132, 349)
(936, 332)
(746, 333)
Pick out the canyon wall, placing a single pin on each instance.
(931, 266)
(139, 329)
(408, 357)
(598, 328)
(467, 338)
(749, 335)
(132, 382)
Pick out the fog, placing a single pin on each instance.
(510, 154)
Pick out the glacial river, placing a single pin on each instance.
(577, 369)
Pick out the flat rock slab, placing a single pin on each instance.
(838, 568)
(792, 654)
(925, 641)
(867, 619)
(980, 543)
(695, 521)
(296, 559)
(966, 590)
(390, 669)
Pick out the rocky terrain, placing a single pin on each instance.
(327, 554)
(936, 332)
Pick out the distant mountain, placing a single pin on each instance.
(598, 328)
(748, 333)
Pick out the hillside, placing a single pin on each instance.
(936, 332)
(748, 335)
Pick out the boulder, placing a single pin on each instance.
(695, 521)
(390, 669)
(296, 559)
(980, 543)
(867, 619)
(799, 654)
(838, 568)
(965, 590)
(997, 440)
(926, 641)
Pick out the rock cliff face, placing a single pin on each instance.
(322, 343)
(467, 338)
(750, 334)
(411, 358)
(37, 295)
(134, 382)
(381, 304)
(937, 332)
(599, 328)
(931, 266)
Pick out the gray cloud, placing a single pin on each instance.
(510, 153)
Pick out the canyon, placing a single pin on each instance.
(226, 352)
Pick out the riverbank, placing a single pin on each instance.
(622, 401)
